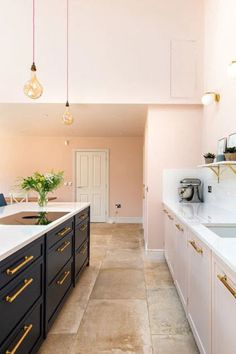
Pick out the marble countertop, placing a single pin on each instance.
(14, 237)
(195, 216)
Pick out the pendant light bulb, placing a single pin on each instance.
(67, 117)
(33, 89)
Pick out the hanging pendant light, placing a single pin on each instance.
(33, 89)
(67, 117)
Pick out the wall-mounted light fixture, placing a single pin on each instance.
(232, 69)
(210, 97)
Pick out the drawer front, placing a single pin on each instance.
(81, 257)
(83, 215)
(58, 257)
(26, 338)
(57, 234)
(21, 260)
(18, 297)
(57, 290)
(81, 233)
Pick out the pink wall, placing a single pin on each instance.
(22, 156)
(172, 140)
(220, 49)
(119, 50)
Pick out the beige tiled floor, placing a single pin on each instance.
(124, 303)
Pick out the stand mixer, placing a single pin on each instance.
(190, 190)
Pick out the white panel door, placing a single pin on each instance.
(91, 182)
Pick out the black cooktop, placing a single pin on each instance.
(32, 218)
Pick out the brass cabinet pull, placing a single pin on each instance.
(12, 298)
(224, 280)
(83, 250)
(27, 259)
(83, 216)
(165, 211)
(197, 249)
(83, 227)
(64, 231)
(170, 217)
(61, 249)
(60, 282)
(27, 329)
(179, 227)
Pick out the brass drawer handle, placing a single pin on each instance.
(224, 280)
(60, 282)
(83, 250)
(27, 330)
(83, 227)
(197, 249)
(179, 227)
(61, 249)
(83, 216)
(12, 298)
(64, 231)
(170, 217)
(27, 259)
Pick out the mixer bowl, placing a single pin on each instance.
(185, 192)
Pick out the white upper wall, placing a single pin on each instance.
(220, 50)
(124, 51)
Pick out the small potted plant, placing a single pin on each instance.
(230, 154)
(209, 157)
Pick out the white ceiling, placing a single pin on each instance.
(89, 120)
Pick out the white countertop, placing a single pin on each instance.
(14, 237)
(194, 216)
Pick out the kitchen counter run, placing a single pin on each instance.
(194, 216)
(15, 237)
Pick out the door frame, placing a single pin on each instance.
(107, 166)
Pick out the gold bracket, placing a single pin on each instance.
(216, 170)
(233, 169)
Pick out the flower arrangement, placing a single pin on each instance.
(43, 184)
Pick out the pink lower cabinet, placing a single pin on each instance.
(223, 309)
(199, 292)
(169, 231)
(181, 261)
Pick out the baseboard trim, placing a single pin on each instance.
(125, 220)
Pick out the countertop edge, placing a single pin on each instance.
(198, 223)
(43, 230)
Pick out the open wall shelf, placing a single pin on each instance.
(217, 166)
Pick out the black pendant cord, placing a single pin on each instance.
(33, 67)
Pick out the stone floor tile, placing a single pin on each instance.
(174, 344)
(114, 326)
(157, 275)
(123, 258)
(122, 241)
(119, 283)
(166, 312)
(58, 344)
(68, 321)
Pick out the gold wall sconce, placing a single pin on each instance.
(210, 98)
